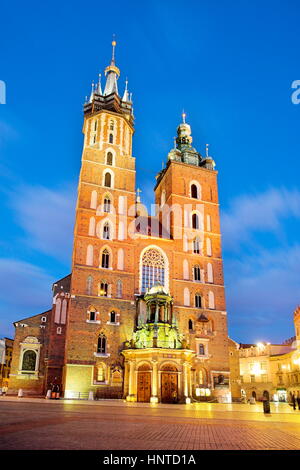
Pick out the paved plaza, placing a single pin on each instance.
(64, 424)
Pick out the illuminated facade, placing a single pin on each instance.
(144, 314)
(271, 368)
(6, 348)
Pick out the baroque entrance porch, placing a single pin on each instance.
(158, 375)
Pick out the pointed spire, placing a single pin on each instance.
(92, 92)
(126, 94)
(112, 73)
(138, 198)
(183, 116)
(99, 89)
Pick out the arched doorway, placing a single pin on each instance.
(144, 383)
(169, 384)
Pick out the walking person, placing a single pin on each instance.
(298, 399)
(293, 399)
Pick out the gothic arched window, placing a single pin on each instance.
(153, 268)
(103, 291)
(195, 221)
(106, 205)
(29, 361)
(106, 231)
(194, 191)
(101, 349)
(92, 314)
(191, 324)
(109, 158)
(107, 180)
(112, 317)
(105, 259)
(197, 273)
(111, 139)
(198, 301)
(196, 246)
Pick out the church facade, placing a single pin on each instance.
(142, 316)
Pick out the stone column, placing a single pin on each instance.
(131, 395)
(154, 384)
(186, 382)
(156, 313)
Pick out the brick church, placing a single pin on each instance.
(142, 316)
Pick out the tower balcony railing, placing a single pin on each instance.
(158, 344)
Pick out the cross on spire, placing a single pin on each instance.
(206, 150)
(114, 43)
(138, 199)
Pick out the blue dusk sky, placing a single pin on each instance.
(229, 65)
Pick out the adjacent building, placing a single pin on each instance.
(271, 369)
(6, 348)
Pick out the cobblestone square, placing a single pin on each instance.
(33, 424)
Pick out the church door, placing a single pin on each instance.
(169, 384)
(143, 384)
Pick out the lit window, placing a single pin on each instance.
(153, 269)
(103, 292)
(100, 373)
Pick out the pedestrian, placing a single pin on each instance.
(293, 398)
(55, 390)
(298, 399)
(4, 390)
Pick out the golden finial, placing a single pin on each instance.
(114, 43)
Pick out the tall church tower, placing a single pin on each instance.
(102, 287)
(188, 188)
